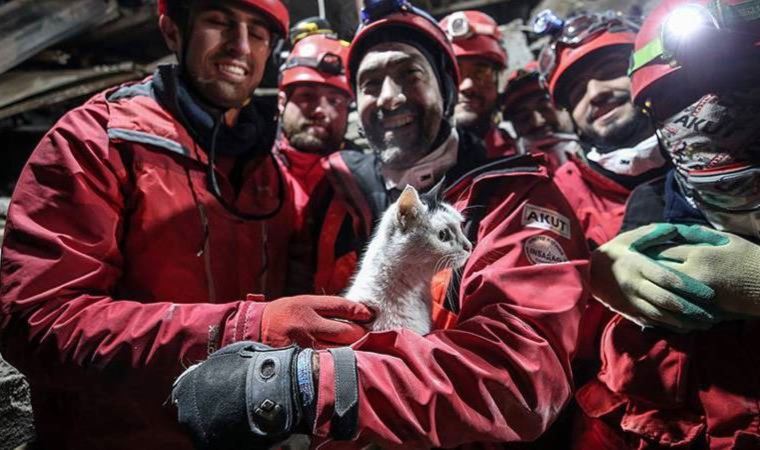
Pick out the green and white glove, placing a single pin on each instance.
(627, 277)
(727, 263)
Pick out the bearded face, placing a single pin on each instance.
(399, 102)
(314, 117)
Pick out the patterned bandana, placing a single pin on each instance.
(715, 146)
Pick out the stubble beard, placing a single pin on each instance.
(624, 134)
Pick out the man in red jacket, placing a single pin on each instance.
(138, 228)
(482, 60)
(681, 360)
(314, 99)
(501, 372)
(584, 67)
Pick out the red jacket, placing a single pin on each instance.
(658, 389)
(502, 372)
(304, 169)
(698, 390)
(499, 144)
(598, 201)
(120, 268)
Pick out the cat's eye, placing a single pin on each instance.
(444, 235)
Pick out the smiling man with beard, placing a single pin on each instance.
(406, 92)
(314, 100)
(142, 229)
(584, 68)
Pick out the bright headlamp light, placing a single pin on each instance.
(682, 25)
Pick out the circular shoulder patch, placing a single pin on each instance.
(544, 250)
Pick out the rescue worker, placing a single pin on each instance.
(584, 68)
(144, 227)
(482, 60)
(314, 100)
(540, 126)
(698, 387)
(501, 372)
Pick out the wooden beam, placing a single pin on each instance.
(29, 26)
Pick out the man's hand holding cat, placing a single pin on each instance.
(314, 321)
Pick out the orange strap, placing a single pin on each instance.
(442, 317)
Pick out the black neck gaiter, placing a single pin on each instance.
(253, 134)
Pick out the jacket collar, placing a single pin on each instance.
(428, 170)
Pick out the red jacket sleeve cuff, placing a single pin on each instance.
(325, 395)
(245, 324)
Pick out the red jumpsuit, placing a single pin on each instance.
(120, 268)
(502, 372)
(304, 169)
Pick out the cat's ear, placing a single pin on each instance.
(409, 207)
(435, 194)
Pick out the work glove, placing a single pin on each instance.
(250, 395)
(314, 321)
(627, 277)
(727, 263)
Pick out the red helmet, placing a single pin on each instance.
(581, 37)
(521, 83)
(680, 33)
(394, 20)
(275, 10)
(475, 34)
(408, 18)
(318, 58)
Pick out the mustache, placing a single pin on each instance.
(383, 114)
(309, 122)
(616, 98)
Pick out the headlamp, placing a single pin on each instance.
(328, 63)
(458, 26)
(547, 23)
(308, 27)
(681, 33)
(375, 10)
(683, 24)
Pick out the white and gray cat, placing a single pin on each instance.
(417, 236)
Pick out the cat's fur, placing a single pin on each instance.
(416, 238)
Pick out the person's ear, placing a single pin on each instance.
(171, 33)
(282, 99)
